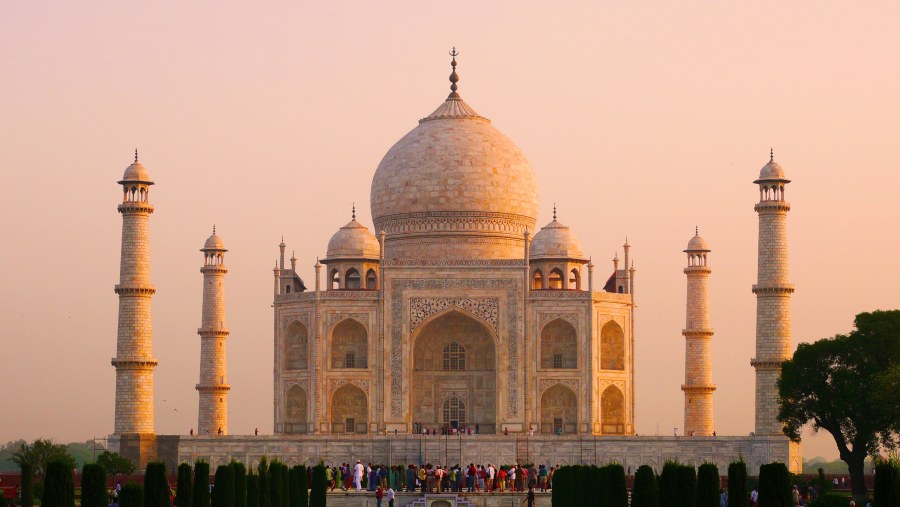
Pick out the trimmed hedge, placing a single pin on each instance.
(887, 485)
(297, 486)
(156, 487)
(223, 490)
(708, 485)
(27, 485)
(686, 486)
(132, 495)
(668, 484)
(646, 488)
(59, 490)
(737, 485)
(252, 489)
(201, 484)
(774, 486)
(93, 486)
(263, 483)
(317, 497)
(616, 486)
(184, 489)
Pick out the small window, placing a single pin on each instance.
(350, 425)
(351, 281)
(557, 360)
(287, 289)
(556, 279)
(371, 280)
(557, 425)
(335, 280)
(537, 280)
(454, 357)
(350, 360)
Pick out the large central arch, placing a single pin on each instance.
(454, 363)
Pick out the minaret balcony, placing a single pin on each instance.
(697, 332)
(131, 290)
(698, 388)
(771, 206)
(134, 207)
(215, 388)
(777, 289)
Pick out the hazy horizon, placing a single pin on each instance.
(643, 120)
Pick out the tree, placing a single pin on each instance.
(93, 486)
(184, 490)
(317, 497)
(156, 487)
(240, 483)
(887, 484)
(833, 384)
(737, 484)
(668, 484)
(201, 484)
(616, 494)
(223, 492)
(708, 485)
(115, 464)
(686, 486)
(646, 489)
(252, 489)
(303, 474)
(40, 453)
(276, 489)
(59, 490)
(27, 485)
(774, 486)
(263, 483)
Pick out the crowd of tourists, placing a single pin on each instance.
(429, 478)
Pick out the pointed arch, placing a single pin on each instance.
(334, 280)
(574, 279)
(612, 411)
(555, 280)
(349, 345)
(352, 279)
(612, 347)
(559, 410)
(559, 345)
(349, 410)
(296, 405)
(537, 280)
(371, 279)
(296, 347)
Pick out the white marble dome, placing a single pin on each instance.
(136, 172)
(353, 241)
(772, 171)
(214, 242)
(556, 241)
(697, 244)
(452, 185)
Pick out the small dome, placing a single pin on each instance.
(771, 171)
(353, 241)
(697, 244)
(214, 242)
(556, 241)
(136, 172)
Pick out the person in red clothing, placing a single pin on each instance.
(379, 494)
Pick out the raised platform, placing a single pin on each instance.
(630, 451)
(367, 499)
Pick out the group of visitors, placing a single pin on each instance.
(429, 478)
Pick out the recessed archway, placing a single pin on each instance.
(612, 347)
(612, 411)
(349, 345)
(296, 347)
(559, 410)
(559, 345)
(454, 356)
(349, 410)
(295, 410)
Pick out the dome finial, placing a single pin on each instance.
(554, 211)
(696, 230)
(135, 156)
(214, 228)
(354, 211)
(454, 77)
(771, 154)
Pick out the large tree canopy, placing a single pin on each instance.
(836, 385)
(41, 452)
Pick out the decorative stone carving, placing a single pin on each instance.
(335, 383)
(462, 395)
(335, 317)
(400, 285)
(454, 262)
(300, 382)
(484, 308)
(603, 384)
(544, 318)
(302, 318)
(547, 383)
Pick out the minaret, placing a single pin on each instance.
(213, 386)
(134, 361)
(773, 296)
(698, 387)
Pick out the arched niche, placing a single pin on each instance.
(295, 410)
(612, 411)
(612, 347)
(352, 279)
(296, 347)
(349, 410)
(371, 280)
(559, 345)
(454, 355)
(537, 280)
(555, 280)
(349, 345)
(559, 410)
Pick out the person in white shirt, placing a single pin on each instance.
(390, 496)
(357, 476)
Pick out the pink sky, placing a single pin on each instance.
(643, 119)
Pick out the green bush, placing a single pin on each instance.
(263, 483)
(240, 483)
(774, 486)
(299, 492)
(646, 488)
(708, 485)
(887, 485)
(184, 489)
(686, 486)
(27, 485)
(616, 494)
(252, 489)
(156, 487)
(93, 486)
(737, 484)
(317, 497)
(201, 484)
(668, 485)
(59, 490)
(223, 490)
(274, 484)
(132, 495)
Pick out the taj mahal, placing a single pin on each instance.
(454, 311)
